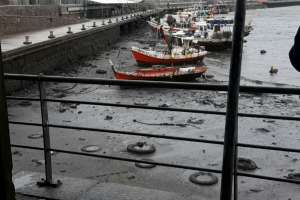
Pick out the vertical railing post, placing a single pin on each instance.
(7, 191)
(46, 138)
(231, 127)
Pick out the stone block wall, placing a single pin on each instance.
(30, 10)
(16, 19)
(57, 53)
(4, 2)
(16, 24)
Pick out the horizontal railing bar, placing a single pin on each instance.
(136, 134)
(288, 118)
(120, 158)
(138, 106)
(158, 108)
(176, 109)
(254, 146)
(25, 123)
(83, 80)
(156, 163)
(175, 138)
(160, 136)
(268, 178)
(153, 84)
(22, 98)
(35, 196)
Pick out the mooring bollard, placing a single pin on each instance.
(51, 36)
(109, 21)
(27, 40)
(69, 30)
(94, 24)
(83, 27)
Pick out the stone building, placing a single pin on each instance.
(34, 2)
(4, 2)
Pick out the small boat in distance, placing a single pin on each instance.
(151, 57)
(161, 73)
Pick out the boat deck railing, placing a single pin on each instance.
(229, 172)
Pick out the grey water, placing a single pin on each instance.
(274, 31)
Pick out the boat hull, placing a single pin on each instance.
(144, 59)
(214, 46)
(181, 78)
(162, 74)
(209, 44)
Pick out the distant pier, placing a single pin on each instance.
(281, 3)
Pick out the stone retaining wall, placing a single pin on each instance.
(16, 19)
(30, 10)
(57, 53)
(18, 24)
(4, 2)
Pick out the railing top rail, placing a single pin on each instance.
(153, 84)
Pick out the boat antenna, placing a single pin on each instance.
(118, 61)
(119, 52)
(112, 65)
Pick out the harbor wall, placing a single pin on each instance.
(282, 3)
(53, 54)
(17, 19)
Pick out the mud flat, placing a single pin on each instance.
(253, 131)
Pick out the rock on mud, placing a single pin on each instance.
(262, 130)
(101, 71)
(25, 103)
(195, 121)
(246, 164)
(59, 95)
(141, 148)
(108, 117)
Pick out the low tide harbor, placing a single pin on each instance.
(138, 100)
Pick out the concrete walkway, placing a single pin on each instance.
(12, 42)
(87, 189)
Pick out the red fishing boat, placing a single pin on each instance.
(162, 73)
(178, 56)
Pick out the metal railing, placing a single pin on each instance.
(229, 170)
(43, 99)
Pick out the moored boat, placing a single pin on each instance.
(162, 73)
(151, 57)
